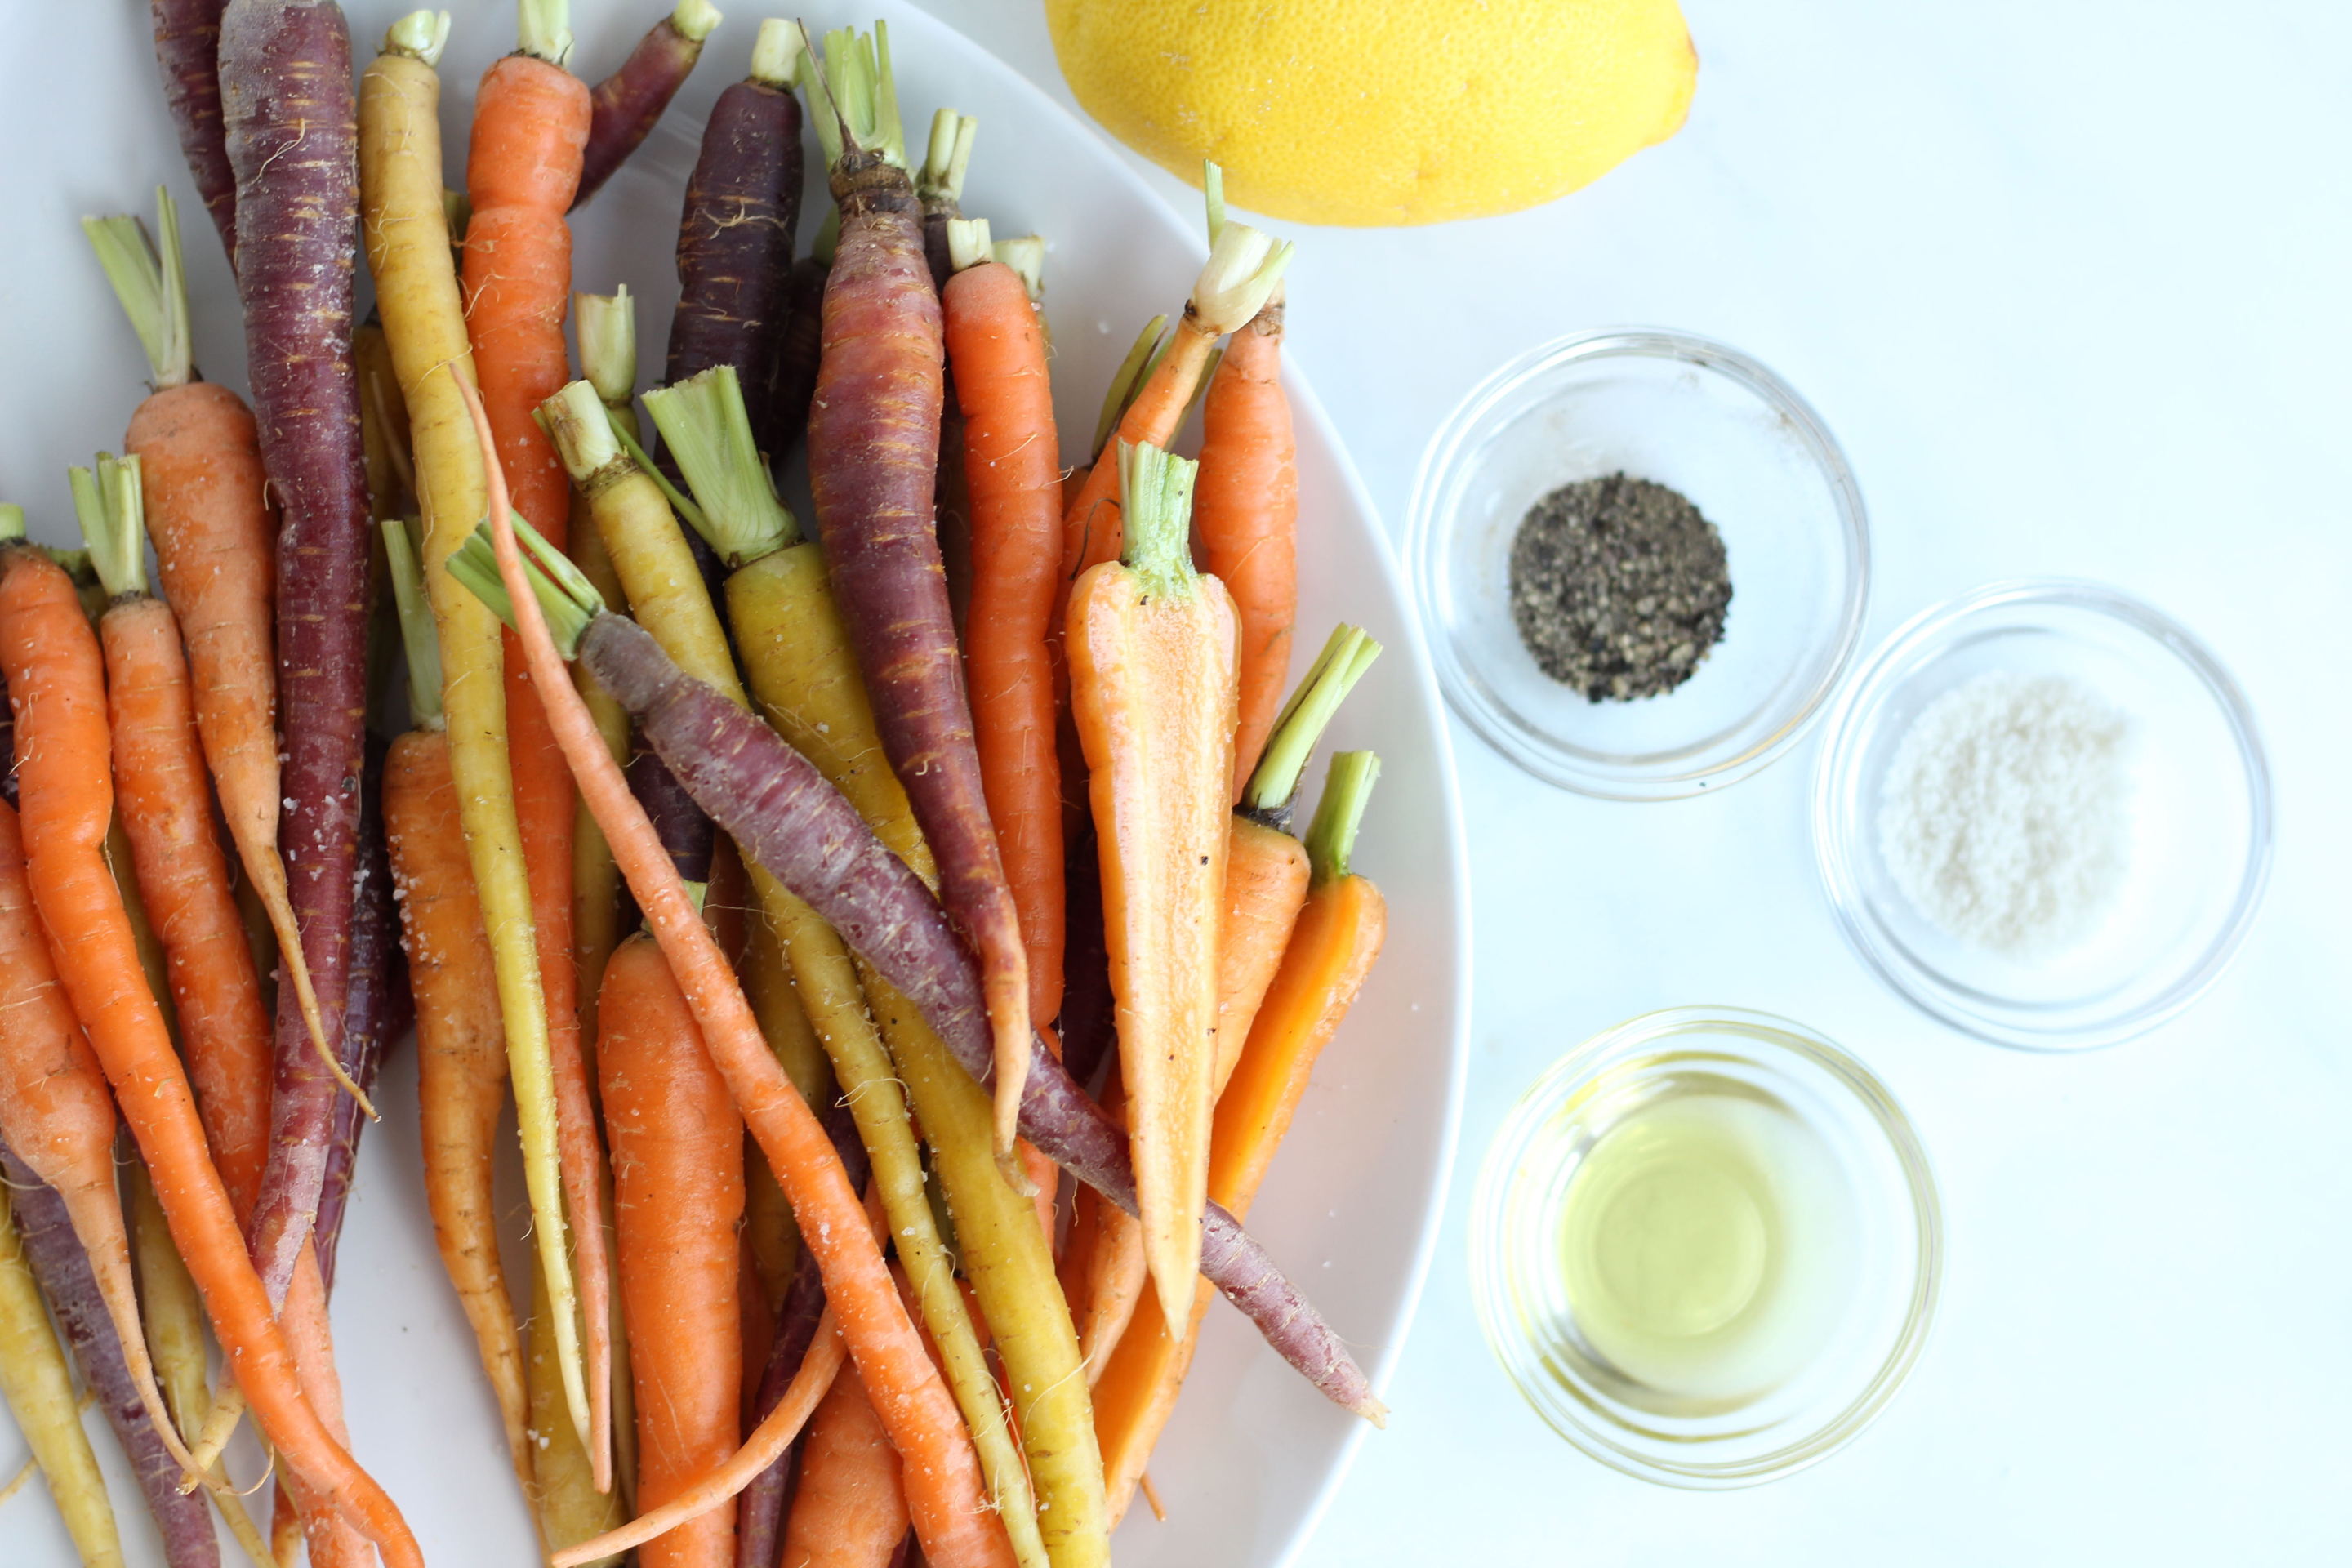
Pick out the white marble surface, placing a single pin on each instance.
(2069, 280)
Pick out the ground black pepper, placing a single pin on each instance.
(1618, 587)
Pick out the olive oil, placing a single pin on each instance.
(1705, 1245)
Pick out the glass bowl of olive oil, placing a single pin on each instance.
(1705, 1245)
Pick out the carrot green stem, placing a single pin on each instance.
(852, 96)
(607, 327)
(1156, 489)
(1213, 192)
(704, 424)
(947, 158)
(112, 511)
(543, 29)
(679, 502)
(11, 521)
(1130, 375)
(776, 53)
(416, 633)
(576, 420)
(1245, 265)
(1025, 253)
(1331, 836)
(152, 286)
(968, 243)
(695, 20)
(566, 598)
(420, 34)
(1275, 785)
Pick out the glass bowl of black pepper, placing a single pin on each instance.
(1642, 563)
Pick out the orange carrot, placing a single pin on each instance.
(461, 1054)
(1152, 689)
(996, 351)
(947, 1500)
(677, 1180)
(334, 1542)
(166, 813)
(850, 1510)
(55, 1112)
(1246, 508)
(1337, 940)
(1242, 268)
(50, 659)
(522, 170)
(216, 552)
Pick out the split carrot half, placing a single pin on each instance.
(1153, 691)
(949, 1507)
(56, 686)
(532, 119)
(1336, 942)
(406, 230)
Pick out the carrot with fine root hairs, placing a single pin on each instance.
(54, 1109)
(39, 1393)
(56, 683)
(735, 232)
(1246, 506)
(783, 815)
(187, 49)
(626, 105)
(286, 101)
(531, 120)
(952, 1519)
(850, 1510)
(873, 459)
(786, 621)
(1242, 269)
(996, 347)
(1151, 646)
(208, 516)
(406, 230)
(461, 1062)
(678, 1175)
(1336, 942)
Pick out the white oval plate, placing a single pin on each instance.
(1352, 1205)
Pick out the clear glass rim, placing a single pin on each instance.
(1488, 1270)
(1533, 750)
(1836, 851)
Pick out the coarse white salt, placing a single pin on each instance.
(2005, 814)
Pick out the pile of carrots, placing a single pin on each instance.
(892, 931)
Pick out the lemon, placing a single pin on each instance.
(1382, 111)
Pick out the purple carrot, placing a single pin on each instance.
(62, 1271)
(286, 97)
(684, 832)
(735, 234)
(379, 1011)
(627, 104)
(187, 47)
(874, 452)
(786, 817)
(796, 357)
(760, 1513)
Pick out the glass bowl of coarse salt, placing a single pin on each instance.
(1677, 664)
(2042, 814)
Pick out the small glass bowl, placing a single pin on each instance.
(1892, 1263)
(2199, 831)
(1725, 432)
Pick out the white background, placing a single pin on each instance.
(2069, 282)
